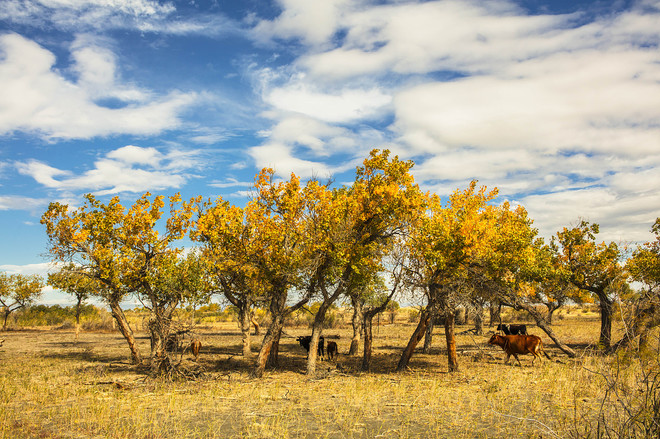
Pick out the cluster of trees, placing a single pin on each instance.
(295, 242)
(18, 291)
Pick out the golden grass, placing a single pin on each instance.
(51, 386)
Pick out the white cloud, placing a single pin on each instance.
(40, 269)
(440, 35)
(135, 155)
(231, 182)
(17, 202)
(620, 218)
(102, 15)
(36, 98)
(127, 169)
(347, 105)
(313, 22)
(592, 101)
(280, 157)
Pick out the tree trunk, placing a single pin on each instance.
(257, 329)
(245, 325)
(644, 318)
(368, 341)
(271, 340)
(466, 316)
(541, 323)
(273, 356)
(358, 325)
(495, 313)
(7, 312)
(126, 331)
(605, 321)
(478, 319)
(160, 325)
(312, 355)
(452, 358)
(317, 328)
(417, 335)
(552, 307)
(428, 336)
(78, 318)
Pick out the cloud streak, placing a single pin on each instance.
(128, 169)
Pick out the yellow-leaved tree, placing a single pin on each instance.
(518, 264)
(126, 253)
(354, 229)
(18, 291)
(591, 267)
(71, 280)
(228, 235)
(444, 246)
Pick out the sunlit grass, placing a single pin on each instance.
(53, 387)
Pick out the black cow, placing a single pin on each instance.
(512, 329)
(332, 350)
(305, 340)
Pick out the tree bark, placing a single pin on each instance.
(312, 355)
(495, 310)
(270, 343)
(605, 320)
(417, 335)
(478, 319)
(257, 328)
(644, 318)
(368, 341)
(273, 357)
(552, 307)
(78, 317)
(126, 331)
(160, 325)
(450, 336)
(358, 326)
(245, 325)
(428, 336)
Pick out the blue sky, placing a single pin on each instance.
(557, 103)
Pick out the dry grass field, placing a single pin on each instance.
(54, 387)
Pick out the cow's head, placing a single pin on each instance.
(496, 339)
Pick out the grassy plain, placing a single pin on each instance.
(54, 387)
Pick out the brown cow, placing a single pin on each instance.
(332, 349)
(195, 346)
(519, 344)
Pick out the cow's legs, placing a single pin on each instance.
(517, 359)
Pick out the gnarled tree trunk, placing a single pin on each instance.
(269, 347)
(368, 341)
(605, 339)
(358, 326)
(416, 336)
(428, 336)
(478, 318)
(126, 331)
(244, 319)
(495, 310)
(450, 336)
